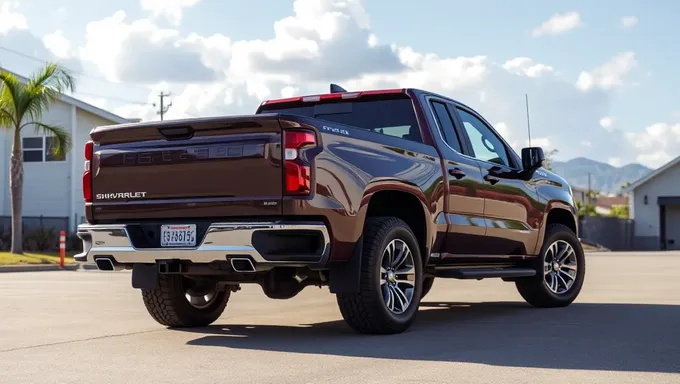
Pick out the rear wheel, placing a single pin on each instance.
(178, 301)
(390, 281)
(560, 268)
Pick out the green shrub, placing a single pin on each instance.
(73, 243)
(41, 240)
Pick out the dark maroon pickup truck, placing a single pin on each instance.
(373, 194)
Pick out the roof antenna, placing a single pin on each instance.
(526, 100)
(337, 89)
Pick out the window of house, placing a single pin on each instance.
(40, 149)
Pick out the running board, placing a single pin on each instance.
(484, 273)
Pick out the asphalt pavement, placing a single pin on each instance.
(92, 327)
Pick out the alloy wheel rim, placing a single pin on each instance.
(560, 266)
(397, 276)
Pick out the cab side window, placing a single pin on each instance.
(486, 145)
(445, 121)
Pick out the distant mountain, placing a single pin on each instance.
(603, 177)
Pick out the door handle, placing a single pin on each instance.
(491, 179)
(457, 173)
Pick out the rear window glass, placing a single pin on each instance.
(393, 117)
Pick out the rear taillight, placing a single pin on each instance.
(87, 174)
(298, 172)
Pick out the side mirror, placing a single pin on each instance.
(532, 158)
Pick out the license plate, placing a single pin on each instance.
(178, 235)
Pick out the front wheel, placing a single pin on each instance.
(178, 301)
(560, 268)
(390, 281)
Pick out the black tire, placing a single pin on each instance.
(168, 305)
(535, 290)
(366, 311)
(427, 286)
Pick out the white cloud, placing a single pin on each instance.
(502, 129)
(308, 50)
(629, 21)
(615, 161)
(10, 18)
(543, 142)
(525, 66)
(59, 45)
(558, 23)
(609, 75)
(170, 9)
(18, 39)
(321, 36)
(607, 123)
(140, 51)
(658, 144)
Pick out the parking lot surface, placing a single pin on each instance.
(89, 326)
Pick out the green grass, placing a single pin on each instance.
(7, 258)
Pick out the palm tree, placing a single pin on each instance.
(21, 106)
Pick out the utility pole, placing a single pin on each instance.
(164, 108)
(590, 201)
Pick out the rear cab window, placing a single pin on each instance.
(391, 114)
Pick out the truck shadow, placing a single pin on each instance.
(618, 337)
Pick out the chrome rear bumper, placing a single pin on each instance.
(221, 242)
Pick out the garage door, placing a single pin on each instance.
(673, 227)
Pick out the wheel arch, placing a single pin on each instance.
(562, 216)
(379, 199)
(407, 206)
(557, 212)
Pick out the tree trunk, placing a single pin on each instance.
(16, 187)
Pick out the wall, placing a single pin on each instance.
(580, 195)
(85, 122)
(646, 216)
(46, 184)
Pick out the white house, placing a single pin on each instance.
(655, 208)
(53, 186)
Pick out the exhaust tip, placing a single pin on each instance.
(242, 264)
(106, 264)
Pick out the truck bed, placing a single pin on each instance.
(217, 167)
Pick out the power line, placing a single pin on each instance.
(83, 74)
(163, 109)
(113, 98)
(87, 76)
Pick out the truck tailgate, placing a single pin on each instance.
(215, 167)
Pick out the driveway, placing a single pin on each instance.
(92, 327)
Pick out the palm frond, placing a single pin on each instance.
(62, 138)
(45, 87)
(10, 96)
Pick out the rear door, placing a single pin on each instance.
(217, 167)
(465, 207)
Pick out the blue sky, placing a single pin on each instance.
(206, 52)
